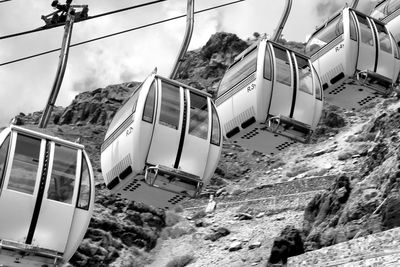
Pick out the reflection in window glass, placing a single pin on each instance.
(317, 84)
(215, 134)
(283, 73)
(330, 32)
(127, 109)
(25, 164)
(384, 39)
(149, 105)
(366, 33)
(353, 32)
(198, 125)
(385, 9)
(62, 179)
(267, 64)
(170, 105)
(238, 72)
(305, 75)
(84, 187)
(3, 157)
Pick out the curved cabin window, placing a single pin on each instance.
(365, 29)
(124, 113)
(385, 9)
(25, 164)
(330, 32)
(63, 174)
(149, 105)
(239, 71)
(84, 186)
(384, 39)
(283, 72)
(267, 65)
(305, 75)
(317, 84)
(353, 31)
(170, 105)
(198, 125)
(215, 131)
(3, 157)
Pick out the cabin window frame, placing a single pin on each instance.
(246, 70)
(64, 182)
(199, 119)
(13, 181)
(386, 41)
(79, 200)
(371, 39)
(268, 63)
(335, 21)
(4, 152)
(383, 10)
(289, 69)
(153, 90)
(215, 127)
(309, 74)
(353, 27)
(165, 117)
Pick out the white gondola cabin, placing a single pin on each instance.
(269, 98)
(389, 13)
(46, 198)
(163, 145)
(356, 58)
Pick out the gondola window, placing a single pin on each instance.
(384, 39)
(170, 105)
(305, 75)
(63, 174)
(25, 164)
(149, 105)
(283, 73)
(84, 187)
(366, 33)
(198, 116)
(3, 157)
(215, 134)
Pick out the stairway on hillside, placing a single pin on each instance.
(380, 249)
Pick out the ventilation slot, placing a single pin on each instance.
(119, 168)
(132, 186)
(251, 134)
(113, 183)
(125, 173)
(233, 132)
(176, 199)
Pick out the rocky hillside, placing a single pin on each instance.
(343, 185)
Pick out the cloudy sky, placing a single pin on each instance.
(25, 86)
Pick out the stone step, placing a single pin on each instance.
(383, 247)
(296, 186)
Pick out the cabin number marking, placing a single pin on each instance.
(251, 87)
(337, 48)
(129, 131)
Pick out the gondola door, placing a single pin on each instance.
(385, 63)
(304, 106)
(59, 198)
(282, 92)
(20, 187)
(168, 126)
(196, 144)
(366, 45)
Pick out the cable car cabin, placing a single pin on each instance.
(163, 145)
(269, 98)
(356, 58)
(46, 198)
(389, 13)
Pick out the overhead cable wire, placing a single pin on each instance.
(118, 33)
(2, 1)
(90, 17)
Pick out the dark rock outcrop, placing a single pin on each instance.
(288, 244)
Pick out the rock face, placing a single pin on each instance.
(288, 244)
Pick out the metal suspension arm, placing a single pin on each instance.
(186, 39)
(282, 21)
(62, 64)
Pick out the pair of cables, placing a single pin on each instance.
(108, 35)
